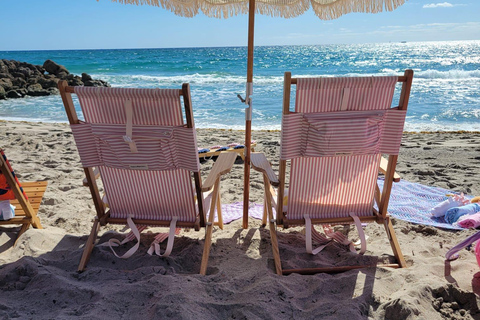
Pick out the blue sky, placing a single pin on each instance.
(90, 24)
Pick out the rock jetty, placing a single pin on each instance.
(20, 79)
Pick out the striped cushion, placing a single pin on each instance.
(159, 147)
(341, 133)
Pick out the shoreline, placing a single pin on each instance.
(253, 130)
(240, 282)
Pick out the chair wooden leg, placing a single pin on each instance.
(273, 231)
(219, 213)
(36, 222)
(276, 252)
(392, 237)
(264, 217)
(87, 251)
(206, 249)
(209, 231)
(23, 228)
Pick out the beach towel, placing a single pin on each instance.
(456, 200)
(454, 214)
(470, 222)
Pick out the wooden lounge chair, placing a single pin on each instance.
(147, 159)
(334, 140)
(26, 200)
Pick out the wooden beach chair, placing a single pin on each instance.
(146, 156)
(26, 197)
(334, 141)
(215, 152)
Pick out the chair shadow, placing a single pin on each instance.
(349, 287)
(11, 233)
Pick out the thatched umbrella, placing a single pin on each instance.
(324, 9)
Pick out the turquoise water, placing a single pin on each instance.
(445, 93)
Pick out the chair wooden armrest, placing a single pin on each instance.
(222, 166)
(383, 169)
(96, 172)
(260, 163)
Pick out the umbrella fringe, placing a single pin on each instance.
(224, 10)
(324, 9)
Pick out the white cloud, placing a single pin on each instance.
(438, 5)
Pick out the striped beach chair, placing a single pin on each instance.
(26, 197)
(146, 156)
(334, 141)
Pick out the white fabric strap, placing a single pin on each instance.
(155, 246)
(129, 125)
(308, 237)
(115, 242)
(361, 234)
(339, 237)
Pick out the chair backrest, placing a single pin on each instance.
(335, 139)
(144, 150)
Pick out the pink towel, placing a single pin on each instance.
(470, 221)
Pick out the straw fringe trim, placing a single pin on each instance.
(324, 9)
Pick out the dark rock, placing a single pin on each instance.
(54, 68)
(18, 79)
(6, 76)
(19, 82)
(36, 90)
(3, 94)
(3, 67)
(31, 81)
(53, 91)
(47, 83)
(27, 72)
(75, 82)
(18, 75)
(86, 77)
(10, 64)
(6, 84)
(62, 75)
(34, 87)
(96, 83)
(13, 94)
(40, 69)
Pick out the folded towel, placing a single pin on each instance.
(470, 221)
(7, 211)
(456, 200)
(453, 214)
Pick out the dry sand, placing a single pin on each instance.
(38, 278)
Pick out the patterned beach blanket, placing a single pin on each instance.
(408, 201)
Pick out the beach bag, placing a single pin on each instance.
(6, 192)
(452, 254)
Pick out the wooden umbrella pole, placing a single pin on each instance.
(248, 113)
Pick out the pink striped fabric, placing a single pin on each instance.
(326, 94)
(158, 147)
(337, 173)
(145, 194)
(341, 133)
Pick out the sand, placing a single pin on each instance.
(38, 278)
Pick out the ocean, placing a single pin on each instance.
(445, 93)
